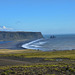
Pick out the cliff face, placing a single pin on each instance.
(19, 35)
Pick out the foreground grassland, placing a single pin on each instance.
(8, 51)
(32, 62)
(38, 70)
(38, 54)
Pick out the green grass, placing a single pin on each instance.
(48, 66)
(39, 69)
(9, 51)
(39, 54)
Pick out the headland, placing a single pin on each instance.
(17, 39)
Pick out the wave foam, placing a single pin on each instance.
(27, 45)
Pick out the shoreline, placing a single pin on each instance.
(27, 44)
(16, 45)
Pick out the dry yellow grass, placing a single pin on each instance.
(9, 51)
(28, 53)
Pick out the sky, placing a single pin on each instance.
(46, 16)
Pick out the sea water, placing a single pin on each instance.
(60, 42)
(2, 42)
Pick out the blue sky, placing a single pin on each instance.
(46, 16)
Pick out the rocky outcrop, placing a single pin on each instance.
(4, 35)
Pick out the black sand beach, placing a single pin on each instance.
(16, 45)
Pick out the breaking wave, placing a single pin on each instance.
(32, 45)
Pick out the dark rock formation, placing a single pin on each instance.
(5, 36)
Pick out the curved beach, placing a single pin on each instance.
(14, 44)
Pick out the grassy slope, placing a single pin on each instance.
(8, 51)
(51, 67)
(39, 54)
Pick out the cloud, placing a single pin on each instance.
(5, 28)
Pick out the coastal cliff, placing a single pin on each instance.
(6, 35)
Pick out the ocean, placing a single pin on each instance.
(60, 42)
